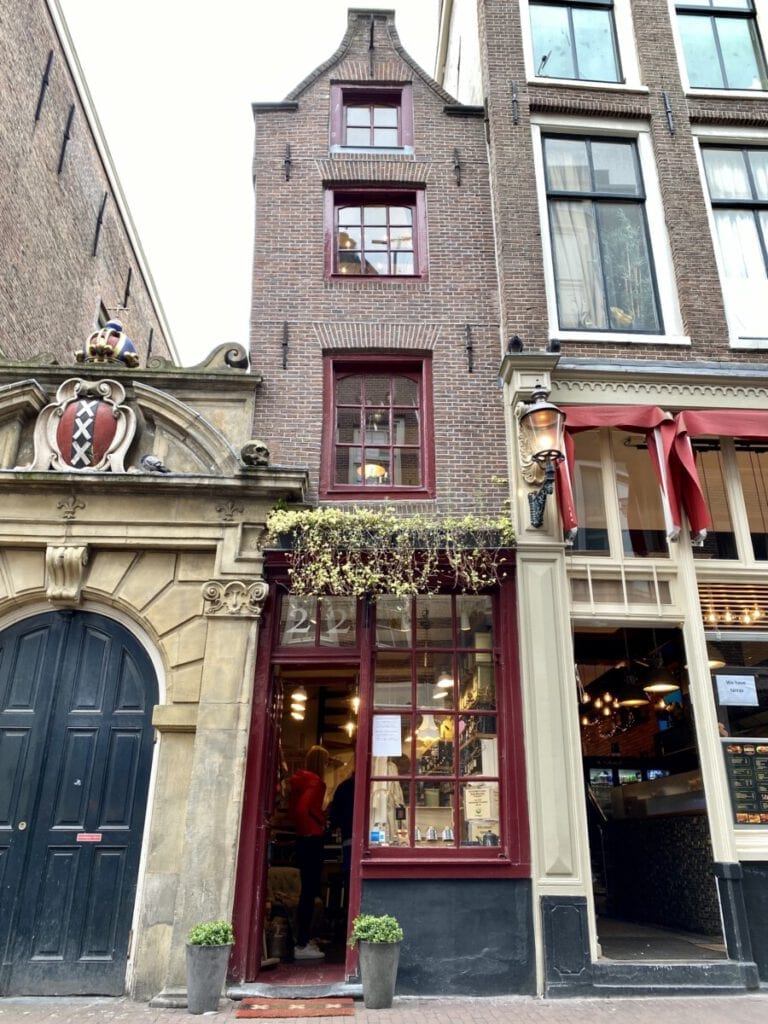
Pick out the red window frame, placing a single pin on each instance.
(337, 199)
(416, 368)
(349, 95)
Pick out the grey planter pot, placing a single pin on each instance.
(206, 974)
(378, 968)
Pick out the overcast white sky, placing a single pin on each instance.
(173, 82)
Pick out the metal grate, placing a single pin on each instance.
(734, 605)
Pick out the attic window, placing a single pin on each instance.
(371, 118)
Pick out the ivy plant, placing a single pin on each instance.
(359, 551)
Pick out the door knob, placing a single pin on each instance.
(21, 826)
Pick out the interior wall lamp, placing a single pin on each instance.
(541, 447)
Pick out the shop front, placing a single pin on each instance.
(415, 700)
(646, 566)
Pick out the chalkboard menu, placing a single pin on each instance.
(747, 763)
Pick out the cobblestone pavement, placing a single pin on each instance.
(746, 1009)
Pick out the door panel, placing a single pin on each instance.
(76, 741)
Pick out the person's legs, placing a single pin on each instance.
(309, 859)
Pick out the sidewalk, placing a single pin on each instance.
(747, 1009)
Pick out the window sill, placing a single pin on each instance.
(376, 494)
(372, 151)
(748, 344)
(412, 865)
(376, 277)
(621, 338)
(579, 83)
(734, 94)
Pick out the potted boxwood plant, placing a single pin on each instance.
(378, 937)
(208, 947)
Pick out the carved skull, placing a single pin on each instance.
(255, 453)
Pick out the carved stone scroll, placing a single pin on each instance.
(235, 598)
(65, 575)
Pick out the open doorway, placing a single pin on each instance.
(317, 709)
(654, 886)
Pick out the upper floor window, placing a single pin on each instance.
(617, 497)
(377, 436)
(721, 44)
(737, 179)
(371, 117)
(575, 40)
(376, 233)
(603, 270)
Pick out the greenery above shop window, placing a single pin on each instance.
(364, 551)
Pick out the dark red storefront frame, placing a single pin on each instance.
(511, 860)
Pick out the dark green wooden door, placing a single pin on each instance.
(76, 698)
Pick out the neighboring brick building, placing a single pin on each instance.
(627, 154)
(70, 256)
(376, 326)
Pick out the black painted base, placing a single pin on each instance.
(755, 886)
(569, 970)
(467, 937)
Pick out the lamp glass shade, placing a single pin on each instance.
(445, 680)
(660, 680)
(299, 694)
(543, 423)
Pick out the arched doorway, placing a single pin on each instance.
(76, 698)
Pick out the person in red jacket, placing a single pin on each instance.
(306, 808)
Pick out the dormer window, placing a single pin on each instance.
(378, 118)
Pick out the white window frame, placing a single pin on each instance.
(613, 521)
(705, 136)
(661, 252)
(625, 43)
(761, 20)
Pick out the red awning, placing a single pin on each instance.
(659, 429)
(750, 425)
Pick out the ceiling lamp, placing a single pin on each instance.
(297, 716)
(715, 657)
(631, 694)
(445, 680)
(299, 694)
(373, 471)
(660, 680)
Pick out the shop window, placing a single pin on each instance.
(626, 516)
(737, 179)
(721, 44)
(601, 253)
(377, 437)
(739, 666)
(575, 40)
(307, 622)
(375, 233)
(434, 768)
(371, 118)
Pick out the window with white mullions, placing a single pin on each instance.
(721, 44)
(604, 275)
(737, 179)
(575, 40)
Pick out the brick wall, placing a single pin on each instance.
(325, 314)
(52, 284)
(519, 247)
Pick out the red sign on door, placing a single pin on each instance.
(88, 837)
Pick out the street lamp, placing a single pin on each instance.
(540, 436)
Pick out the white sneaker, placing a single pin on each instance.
(308, 952)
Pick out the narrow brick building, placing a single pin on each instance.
(626, 148)
(375, 320)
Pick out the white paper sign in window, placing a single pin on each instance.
(739, 691)
(387, 736)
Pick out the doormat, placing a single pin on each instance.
(343, 1006)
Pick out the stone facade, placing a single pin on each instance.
(175, 557)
